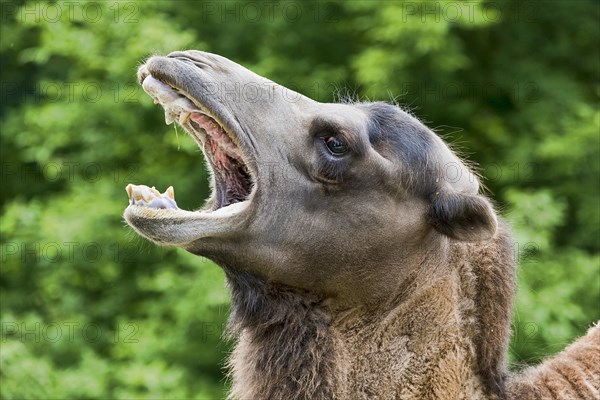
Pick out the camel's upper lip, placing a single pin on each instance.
(232, 162)
(207, 104)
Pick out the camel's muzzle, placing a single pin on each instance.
(178, 85)
(233, 180)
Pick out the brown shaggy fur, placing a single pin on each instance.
(440, 338)
(572, 374)
(285, 349)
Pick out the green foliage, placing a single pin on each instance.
(89, 310)
(558, 289)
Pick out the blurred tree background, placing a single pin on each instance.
(89, 310)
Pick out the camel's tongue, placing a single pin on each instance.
(143, 195)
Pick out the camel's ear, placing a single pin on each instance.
(462, 216)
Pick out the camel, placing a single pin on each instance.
(359, 266)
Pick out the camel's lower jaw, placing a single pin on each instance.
(176, 227)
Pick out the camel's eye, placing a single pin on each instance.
(335, 145)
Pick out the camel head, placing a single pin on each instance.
(342, 200)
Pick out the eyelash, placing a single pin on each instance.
(330, 166)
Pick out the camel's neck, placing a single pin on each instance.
(285, 349)
(443, 337)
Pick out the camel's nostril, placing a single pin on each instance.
(195, 58)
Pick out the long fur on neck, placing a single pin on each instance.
(494, 265)
(283, 349)
(288, 347)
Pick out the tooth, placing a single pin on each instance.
(183, 117)
(140, 193)
(129, 190)
(145, 196)
(169, 118)
(148, 194)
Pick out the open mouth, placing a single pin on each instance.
(232, 178)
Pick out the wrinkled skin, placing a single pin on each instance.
(378, 272)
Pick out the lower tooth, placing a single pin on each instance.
(170, 193)
(142, 195)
